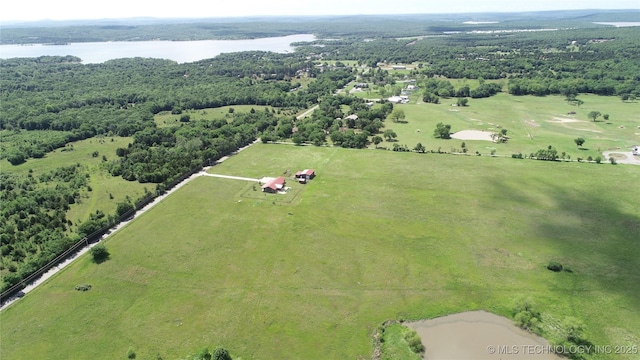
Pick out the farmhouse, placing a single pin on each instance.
(305, 175)
(274, 185)
(352, 117)
(361, 86)
(398, 67)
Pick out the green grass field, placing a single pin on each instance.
(101, 182)
(376, 235)
(532, 122)
(166, 118)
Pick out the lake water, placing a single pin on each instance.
(620, 24)
(179, 51)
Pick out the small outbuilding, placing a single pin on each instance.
(305, 175)
(274, 185)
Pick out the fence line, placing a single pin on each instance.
(95, 236)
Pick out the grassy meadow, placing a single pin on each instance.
(532, 122)
(377, 235)
(107, 191)
(166, 118)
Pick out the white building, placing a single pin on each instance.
(399, 99)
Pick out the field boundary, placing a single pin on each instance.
(27, 284)
(83, 245)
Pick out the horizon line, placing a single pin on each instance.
(142, 17)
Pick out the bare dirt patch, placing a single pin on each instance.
(479, 335)
(622, 157)
(564, 120)
(531, 123)
(473, 135)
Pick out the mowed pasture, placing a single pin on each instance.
(532, 123)
(377, 235)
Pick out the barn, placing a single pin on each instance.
(305, 175)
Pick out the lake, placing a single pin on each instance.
(179, 51)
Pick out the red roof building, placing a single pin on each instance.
(274, 185)
(304, 175)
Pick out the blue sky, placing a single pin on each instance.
(83, 9)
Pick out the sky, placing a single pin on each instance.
(29, 10)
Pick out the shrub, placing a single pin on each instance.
(99, 253)
(131, 354)
(203, 354)
(554, 266)
(16, 158)
(414, 342)
(572, 335)
(526, 316)
(83, 287)
(221, 353)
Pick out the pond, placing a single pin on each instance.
(480, 335)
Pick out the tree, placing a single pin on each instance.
(444, 92)
(605, 117)
(389, 134)
(377, 140)
(123, 208)
(575, 101)
(99, 253)
(579, 141)
(431, 98)
(463, 101)
(397, 115)
(419, 148)
(442, 131)
(594, 115)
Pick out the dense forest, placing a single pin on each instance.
(360, 27)
(49, 102)
(536, 63)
